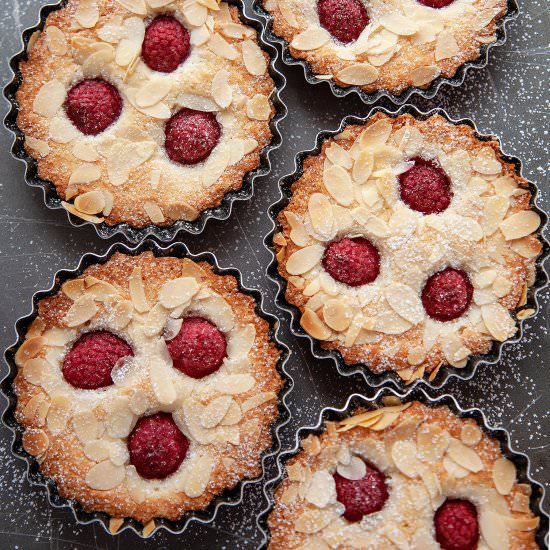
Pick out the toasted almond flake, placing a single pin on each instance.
(494, 530)
(525, 313)
(253, 58)
(58, 414)
(391, 323)
(105, 476)
(320, 213)
(527, 247)
(62, 130)
(30, 348)
(338, 183)
(339, 155)
(87, 13)
(446, 45)
(404, 457)
(215, 167)
(81, 311)
(355, 469)
(36, 409)
(454, 349)
(221, 90)
(75, 212)
(501, 286)
(135, 6)
(405, 302)
(32, 40)
(375, 134)
(453, 469)
(498, 321)
(362, 168)
(321, 490)
(504, 475)
(258, 107)
(399, 24)
(304, 259)
(86, 152)
(55, 40)
(198, 477)
(49, 99)
(464, 456)
(35, 442)
(310, 39)
(86, 426)
(153, 92)
(148, 528)
(195, 13)
(416, 356)
(313, 521)
(154, 212)
(298, 233)
(358, 74)
(337, 315)
(522, 524)
(432, 442)
(215, 411)
(311, 323)
(115, 524)
(233, 384)
(520, 224)
(424, 75)
(137, 291)
(471, 434)
(222, 48)
(121, 314)
(236, 30)
(485, 162)
(38, 145)
(287, 12)
(85, 173)
(91, 202)
(494, 210)
(258, 400)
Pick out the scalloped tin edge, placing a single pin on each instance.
(520, 459)
(444, 374)
(458, 79)
(232, 497)
(132, 234)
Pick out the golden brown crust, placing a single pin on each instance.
(64, 459)
(320, 454)
(155, 191)
(392, 351)
(409, 62)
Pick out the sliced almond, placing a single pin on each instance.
(527, 247)
(304, 259)
(91, 202)
(35, 442)
(494, 530)
(424, 75)
(30, 348)
(464, 456)
(222, 48)
(338, 183)
(233, 384)
(195, 13)
(356, 469)
(177, 292)
(453, 469)
(446, 46)
(404, 457)
(358, 74)
(399, 24)
(321, 490)
(87, 13)
(58, 414)
(198, 477)
(221, 90)
(486, 163)
(81, 311)
(362, 168)
(312, 521)
(391, 323)
(310, 39)
(494, 210)
(36, 409)
(86, 426)
(339, 155)
(115, 524)
(49, 99)
(298, 233)
(215, 411)
(135, 6)
(153, 92)
(311, 323)
(471, 434)
(520, 224)
(432, 442)
(137, 291)
(337, 315)
(38, 145)
(253, 58)
(85, 151)
(320, 213)
(258, 400)
(406, 302)
(154, 212)
(105, 476)
(498, 321)
(56, 41)
(504, 475)
(258, 107)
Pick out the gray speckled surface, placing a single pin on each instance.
(510, 98)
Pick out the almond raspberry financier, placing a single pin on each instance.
(386, 45)
(145, 112)
(147, 386)
(407, 244)
(402, 477)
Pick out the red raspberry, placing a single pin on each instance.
(456, 525)
(354, 262)
(93, 105)
(165, 45)
(191, 136)
(425, 187)
(198, 349)
(157, 447)
(436, 4)
(447, 294)
(344, 19)
(363, 496)
(88, 364)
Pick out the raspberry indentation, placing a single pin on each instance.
(436, 4)
(456, 526)
(198, 349)
(89, 363)
(191, 136)
(165, 45)
(425, 187)
(354, 262)
(447, 294)
(343, 19)
(157, 447)
(93, 105)
(362, 496)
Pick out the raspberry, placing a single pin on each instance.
(447, 294)
(191, 136)
(165, 45)
(354, 262)
(362, 496)
(198, 349)
(344, 19)
(156, 446)
(93, 105)
(425, 187)
(88, 364)
(456, 526)
(436, 4)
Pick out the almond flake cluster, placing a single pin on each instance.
(427, 455)
(351, 189)
(124, 174)
(406, 44)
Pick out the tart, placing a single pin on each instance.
(408, 244)
(147, 386)
(381, 45)
(402, 476)
(145, 113)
